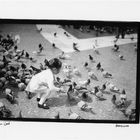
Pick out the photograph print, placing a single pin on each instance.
(69, 71)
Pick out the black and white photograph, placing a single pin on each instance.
(68, 70)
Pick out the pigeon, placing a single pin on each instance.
(54, 46)
(4, 112)
(111, 87)
(69, 93)
(74, 116)
(57, 116)
(22, 86)
(84, 107)
(41, 67)
(98, 66)
(104, 86)
(91, 75)
(33, 60)
(9, 95)
(55, 34)
(27, 55)
(86, 64)
(80, 88)
(46, 62)
(121, 57)
(22, 53)
(75, 48)
(65, 33)
(130, 113)
(76, 71)
(64, 56)
(72, 94)
(84, 95)
(23, 66)
(6, 62)
(106, 74)
(35, 69)
(39, 30)
(84, 83)
(20, 114)
(91, 58)
(40, 48)
(132, 38)
(15, 48)
(123, 97)
(116, 47)
(114, 99)
(135, 48)
(99, 95)
(17, 58)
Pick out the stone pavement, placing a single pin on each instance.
(65, 43)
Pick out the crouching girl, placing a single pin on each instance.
(43, 83)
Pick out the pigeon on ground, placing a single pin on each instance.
(23, 66)
(91, 58)
(98, 66)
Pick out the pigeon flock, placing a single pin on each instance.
(14, 73)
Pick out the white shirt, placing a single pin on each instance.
(41, 82)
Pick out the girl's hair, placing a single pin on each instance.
(55, 63)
